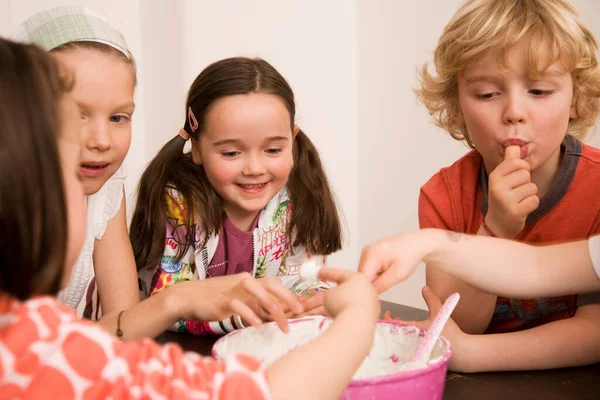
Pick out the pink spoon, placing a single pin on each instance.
(423, 352)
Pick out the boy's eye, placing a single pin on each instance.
(540, 92)
(118, 118)
(485, 96)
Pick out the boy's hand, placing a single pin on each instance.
(457, 338)
(511, 195)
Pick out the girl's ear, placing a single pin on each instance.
(295, 131)
(196, 157)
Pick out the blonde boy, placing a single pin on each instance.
(518, 81)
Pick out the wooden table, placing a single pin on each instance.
(558, 384)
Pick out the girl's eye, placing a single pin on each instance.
(540, 92)
(230, 154)
(274, 151)
(118, 118)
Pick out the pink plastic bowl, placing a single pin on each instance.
(425, 383)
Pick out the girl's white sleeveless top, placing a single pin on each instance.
(102, 206)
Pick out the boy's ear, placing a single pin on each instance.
(573, 111)
(196, 157)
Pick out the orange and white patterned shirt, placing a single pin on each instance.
(47, 352)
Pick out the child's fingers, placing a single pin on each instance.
(516, 179)
(528, 204)
(258, 292)
(512, 152)
(337, 275)
(508, 167)
(247, 314)
(285, 295)
(433, 301)
(387, 315)
(388, 278)
(369, 263)
(268, 302)
(314, 300)
(522, 192)
(425, 324)
(315, 311)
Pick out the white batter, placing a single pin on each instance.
(393, 345)
(309, 273)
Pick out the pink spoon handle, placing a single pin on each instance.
(422, 353)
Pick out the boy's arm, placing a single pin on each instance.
(476, 308)
(566, 343)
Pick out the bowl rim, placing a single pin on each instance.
(441, 362)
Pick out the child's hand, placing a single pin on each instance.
(512, 195)
(392, 260)
(353, 294)
(457, 338)
(312, 301)
(255, 300)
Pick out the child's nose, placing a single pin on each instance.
(514, 112)
(96, 136)
(254, 165)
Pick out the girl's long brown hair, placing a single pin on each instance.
(33, 216)
(315, 220)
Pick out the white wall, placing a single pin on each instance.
(312, 44)
(352, 66)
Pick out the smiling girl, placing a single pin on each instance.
(251, 197)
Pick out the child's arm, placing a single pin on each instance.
(341, 348)
(476, 308)
(115, 271)
(509, 268)
(198, 300)
(116, 278)
(511, 197)
(146, 368)
(565, 343)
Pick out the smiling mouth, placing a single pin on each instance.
(251, 186)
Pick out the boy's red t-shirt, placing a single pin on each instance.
(455, 198)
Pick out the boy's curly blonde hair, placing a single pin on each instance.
(483, 26)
